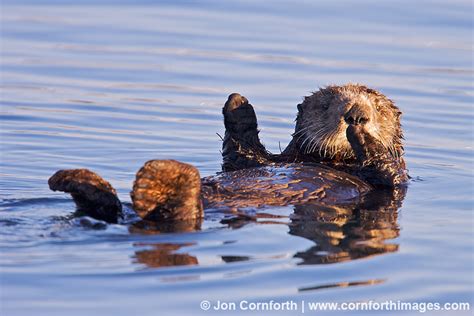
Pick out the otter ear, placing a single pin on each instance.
(372, 91)
(303, 105)
(300, 107)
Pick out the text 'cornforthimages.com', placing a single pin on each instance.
(311, 306)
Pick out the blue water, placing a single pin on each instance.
(108, 86)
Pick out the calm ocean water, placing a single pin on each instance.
(108, 87)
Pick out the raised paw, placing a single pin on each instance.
(239, 115)
(377, 165)
(363, 144)
(234, 101)
(93, 195)
(167, 190)
(241, 147)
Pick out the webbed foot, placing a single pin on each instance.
(93, 195)
(167, 190)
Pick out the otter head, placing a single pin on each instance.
(324, 117)
(167, 190)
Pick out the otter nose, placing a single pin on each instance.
(356, 117)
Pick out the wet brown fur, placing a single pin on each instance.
(172, 187)
(349, 128)
(325, 132)
(90, 192)
(320, 131)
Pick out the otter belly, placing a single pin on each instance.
(289, 184)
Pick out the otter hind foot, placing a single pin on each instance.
(167, 190)
(242, 147)
(93, 195)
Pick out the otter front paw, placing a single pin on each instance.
(239, 115)
(365, 146)
(241, 147)
(376, 165)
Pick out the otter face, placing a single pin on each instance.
(324, 116)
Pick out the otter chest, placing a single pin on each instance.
(289, 184)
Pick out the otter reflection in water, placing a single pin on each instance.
(164, 255)
(339, 233)
(344, 234)
(346, 150)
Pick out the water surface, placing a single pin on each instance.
(108, 87)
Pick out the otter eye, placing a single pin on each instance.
(378, 107)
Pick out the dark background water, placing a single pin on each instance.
(108, 85)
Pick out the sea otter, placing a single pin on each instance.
(347, 143)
